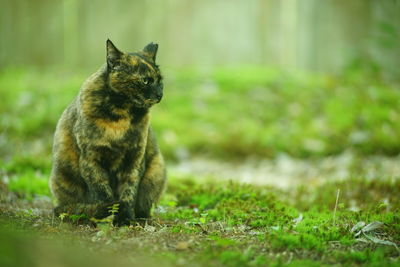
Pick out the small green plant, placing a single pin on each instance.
(74, 218)
(62, 216)
(113, 211)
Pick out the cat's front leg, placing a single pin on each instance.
(127, 192)
(96, 178)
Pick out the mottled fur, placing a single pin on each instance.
(104, 149)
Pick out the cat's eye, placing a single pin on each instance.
(147, 80)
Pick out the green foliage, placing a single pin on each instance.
(236, 258)
(74, 218)
(27, 176)
(286, 241)
(30, 184)
(367, 257)
(381, 195)
(230, 113)
(227, 112)
(20, 164)
(241, 225)
(253, 106)
(273, 221)
(113, 211)
(231, 203)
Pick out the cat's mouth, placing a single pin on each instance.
(146, 103)
(150, 102)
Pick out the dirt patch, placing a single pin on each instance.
(286, 172)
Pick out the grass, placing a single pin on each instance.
(224, 113)
(252, 106)
(224, 224)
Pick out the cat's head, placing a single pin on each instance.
(135, 75)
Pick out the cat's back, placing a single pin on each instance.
(64, 141)
(74, 111)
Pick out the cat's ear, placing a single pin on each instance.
(150, 50)
(113, 54)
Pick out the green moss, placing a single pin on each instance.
(283, 240)
(378, 257)
(234, 258)
(30, 184)
(302, 263)
(242, 225)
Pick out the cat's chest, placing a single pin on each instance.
(118, 158)
(121, 154)
(114, 130)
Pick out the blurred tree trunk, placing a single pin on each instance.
(307, 34)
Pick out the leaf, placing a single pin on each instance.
(357, 226)
(62, 216)
(372, 226)
(365, 229)
(298, 219)
(150, 228)
(100, 234)
(381, 241)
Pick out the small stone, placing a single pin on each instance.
(182, 245)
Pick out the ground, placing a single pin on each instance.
(224, 223)
(266, 168)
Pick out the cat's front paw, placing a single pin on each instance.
(125, 215)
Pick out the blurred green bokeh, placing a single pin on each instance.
(305, 78)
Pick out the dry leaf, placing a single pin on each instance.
(357, 226)
(372, 226)
(381, 241)
(298, 219)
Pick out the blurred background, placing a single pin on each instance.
(311, 34)
(264, 91)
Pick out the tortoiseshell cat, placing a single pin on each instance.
(105, 151)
